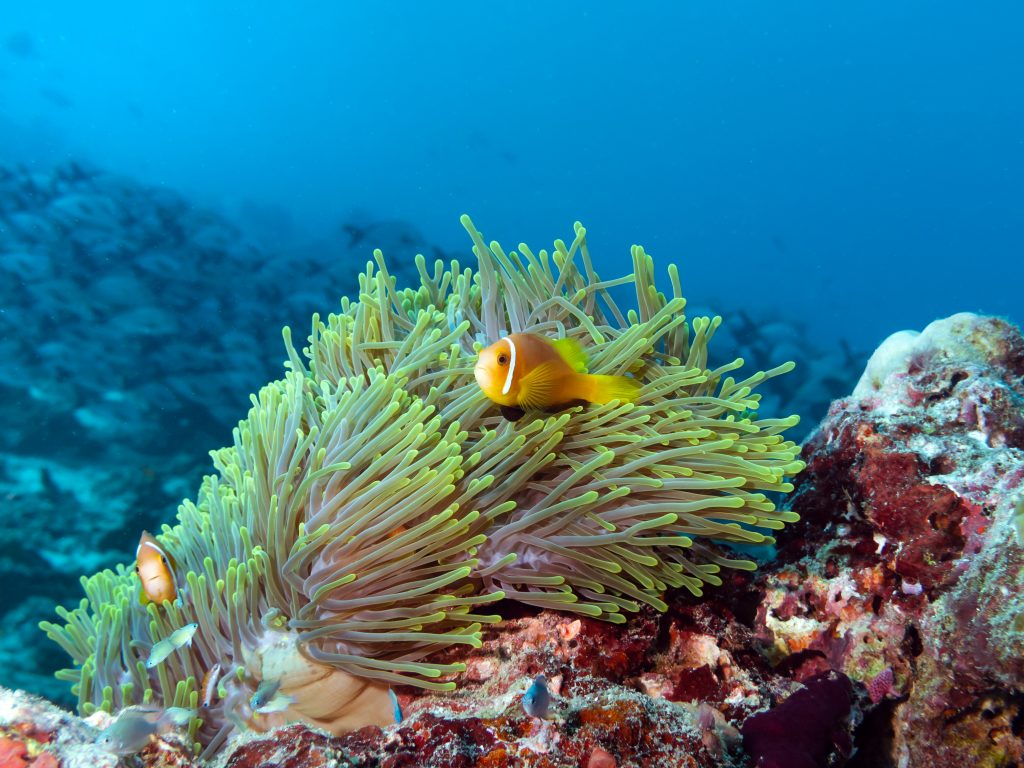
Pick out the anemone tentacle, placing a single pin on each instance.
(374, 503)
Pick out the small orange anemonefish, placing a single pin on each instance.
(524, 371)
(156, 571)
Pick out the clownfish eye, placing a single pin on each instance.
(502, 359)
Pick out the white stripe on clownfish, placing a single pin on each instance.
(511, 366)
(152, 546)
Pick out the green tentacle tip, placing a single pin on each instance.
(742, 565)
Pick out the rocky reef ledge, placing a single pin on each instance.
(887, 631)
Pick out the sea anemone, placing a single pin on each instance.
(374, 501)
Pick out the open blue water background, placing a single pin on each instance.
(861, 163)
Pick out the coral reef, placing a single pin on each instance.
(903, 575)
(905, 571)
(374, 500)
(36, 734)
(886, 632)
(598, 717)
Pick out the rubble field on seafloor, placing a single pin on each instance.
(886, 632)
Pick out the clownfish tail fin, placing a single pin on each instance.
(604, 389)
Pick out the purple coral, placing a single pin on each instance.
(806, 729)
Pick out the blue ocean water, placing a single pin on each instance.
(837, 171)
(861, 164)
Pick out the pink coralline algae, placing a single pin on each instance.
(905, 563)
(639, 731)
(880, 685)
(888, 630)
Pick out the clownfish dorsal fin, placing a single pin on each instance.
(573, 354)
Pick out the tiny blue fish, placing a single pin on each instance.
(267, 700)
(537, 700)
(264, 694)
(178, 717)
(396, 708)
(137, 726)
(179, 638)
(133, 729)
(279, 703)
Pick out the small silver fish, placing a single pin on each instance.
(279, 703)
(177, 639)
(135, 727)
(537, 699)
(183, 595)
(264, 693)
(183, 635)
(178, 717)
(158, 653)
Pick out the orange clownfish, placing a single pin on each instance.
(525, 371)
(156, 571)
